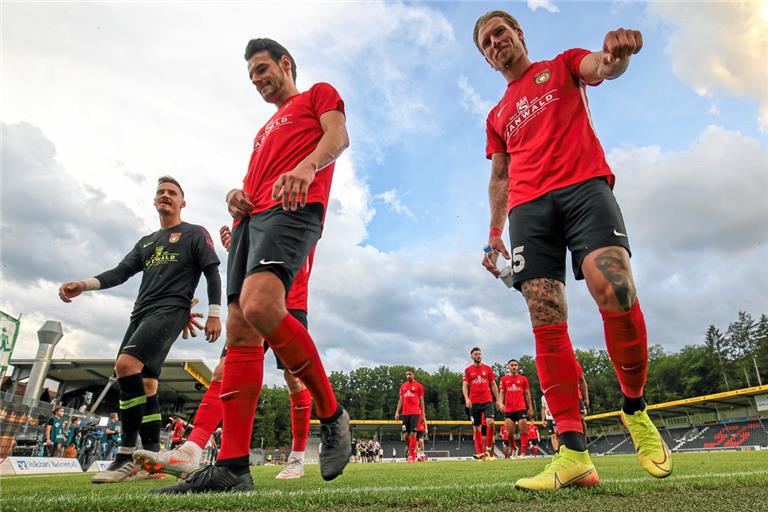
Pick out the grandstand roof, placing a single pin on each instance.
(737, 398)
(179, 376)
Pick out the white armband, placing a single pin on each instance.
(91, 284)
(214, 310)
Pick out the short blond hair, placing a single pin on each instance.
(482, 20)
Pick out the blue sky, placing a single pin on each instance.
(113, 95)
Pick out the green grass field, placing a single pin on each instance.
(736, 481)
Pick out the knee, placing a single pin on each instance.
(546, 301)
(239, 333)
(615, 296)
(261, 313)
(127, 365)
(294, 383)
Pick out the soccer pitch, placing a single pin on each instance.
(701, 482)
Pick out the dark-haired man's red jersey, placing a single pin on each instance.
(178, 431)
(513, 390)
(479, 378)
(533, 430)
(410, 392)
(277, 150)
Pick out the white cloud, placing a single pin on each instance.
(720, 46)
(391, 199)
(472, 102)
(547, 5)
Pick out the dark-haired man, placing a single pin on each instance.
(550, 177)
(171, 260)
(283, 200)
(411, 405)
(515, 401)
(478, 384)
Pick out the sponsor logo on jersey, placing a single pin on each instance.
(527, 110)
(542, 77)
(161, 257)
(174, 237)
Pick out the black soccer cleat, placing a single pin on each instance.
(336, 441)
(209, 479)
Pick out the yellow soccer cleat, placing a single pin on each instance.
(652, 451)
(568, 468)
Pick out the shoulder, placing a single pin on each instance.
(323, 88)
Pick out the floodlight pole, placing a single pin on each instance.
(104, 392)
(757, 372)
(48, 335)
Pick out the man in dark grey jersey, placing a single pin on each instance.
(171, 260)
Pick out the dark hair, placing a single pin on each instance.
(513, 360)
(508, 18)
(170, 179)
(475, 348)
(409, 370)
(275, 50)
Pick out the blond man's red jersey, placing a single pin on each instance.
(289, 136)
(513, 389)
(410, 392)
(543, 123)
(479, 378)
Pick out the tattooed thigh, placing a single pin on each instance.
(546, 301)
(609, 278)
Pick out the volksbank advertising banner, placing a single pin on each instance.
(9, 330)
(38, 465)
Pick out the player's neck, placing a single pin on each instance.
(477, 363)
(168, 221)
(289, 92)
(516, 69)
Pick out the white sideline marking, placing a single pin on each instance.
(278, 493)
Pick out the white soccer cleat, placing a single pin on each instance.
(173, 462)
(294, 468)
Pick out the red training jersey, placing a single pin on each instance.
(543, 123)
(421, 426)
(513, 390)
(410, 392)
(178, 430)
(291, 134)
(533, 431)
(479, 378)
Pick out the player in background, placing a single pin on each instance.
(422, 430)
(533, 438)
(549, 421)
(183, 461)
(549, 176)
(410, 406)
(172, 260)
(478, 385)
(177, 427)
(506, 446)
(515, 401)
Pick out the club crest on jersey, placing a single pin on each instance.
(542, 77)
(174, 237)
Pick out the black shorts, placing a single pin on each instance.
(517, 415)
(419, 434)
(551, 427)
(478, 410)
(410, 422)
(274, 240)
(580, 218)
(298, 314)
(150, 336)
(532, 441)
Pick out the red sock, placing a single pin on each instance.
(523, 443)
(412, 445)
(490, 436)
(478, 442)
(208, 415)
(240, 389)
(627, 342)
(558, 375)
(295, 348)
(512, 443)
(535, 450)
(301, 411)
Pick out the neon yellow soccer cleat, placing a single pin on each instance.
(568, 468)
(652, 451)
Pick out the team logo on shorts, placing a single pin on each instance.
(174, 237)
(542, 77)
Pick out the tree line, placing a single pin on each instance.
(730, 359)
